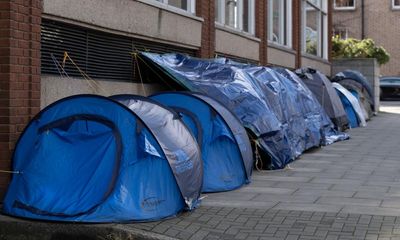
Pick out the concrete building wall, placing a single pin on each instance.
(368, 67)
(281, 57)
(228, 42)
(322, 66)
(381, 24)
(130, 17)
(54, 88)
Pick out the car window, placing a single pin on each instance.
(390, 80)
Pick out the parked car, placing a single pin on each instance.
(390, 88)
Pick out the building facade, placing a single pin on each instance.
(101, 37)
(378, 20)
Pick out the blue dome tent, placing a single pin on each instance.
(87, 158)
(351, 106)
(225, 146)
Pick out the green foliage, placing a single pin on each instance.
(354, 48)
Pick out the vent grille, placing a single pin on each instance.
(101, 55)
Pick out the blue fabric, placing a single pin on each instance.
(73, 172)
(265, 102)
(351, 114)
(222, 161)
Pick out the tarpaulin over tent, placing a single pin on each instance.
(322, 88)
(90, 159)
(256, 95)
(225, 146)
(352, 106)
(313, 111)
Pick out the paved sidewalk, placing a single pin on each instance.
(348, 190)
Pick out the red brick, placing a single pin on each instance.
(4, 120)
(4, 23)
(5, 5)
(4, 60)
(5, 154)
(18, 95)
(5, 51)
(4, 137)
(23, 10)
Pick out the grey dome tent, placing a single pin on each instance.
(225, 146)
(323, 90)
(87, 158)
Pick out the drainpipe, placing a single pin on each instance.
(362, 19)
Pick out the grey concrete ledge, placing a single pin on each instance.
(232, 30)
(315, 58)
(52, 17)
(171, 9)
(281, 47)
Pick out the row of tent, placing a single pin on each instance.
(280, 109)
(123, 158)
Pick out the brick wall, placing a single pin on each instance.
(261, 29)
(381, 24)
(19, 74)
(297, 32)
(206, 10)
(348, 19)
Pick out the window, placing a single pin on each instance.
(280, 22)
(237, 14)
(315, 25)
(396, 4)
(345, 4)
(343, 33)
(187, 5)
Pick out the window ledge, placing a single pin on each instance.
(171, 9)
(349, 9)
(281, 47)
(236, 31)
(396, 8)
(315, 58)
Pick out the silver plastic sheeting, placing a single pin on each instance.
(178, 144)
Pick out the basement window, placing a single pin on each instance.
(99, 54)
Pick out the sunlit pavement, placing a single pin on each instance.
(390, 106)
(348, 190)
